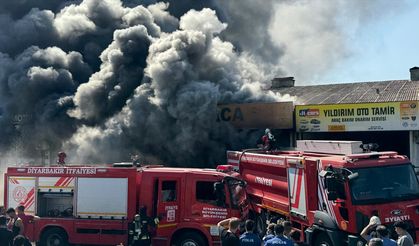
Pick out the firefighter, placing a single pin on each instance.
(61, 158)
(142, 236)
(268, 140)
(136, 160)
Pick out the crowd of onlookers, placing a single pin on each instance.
(377, 234)
(280, 232)
(12, 226)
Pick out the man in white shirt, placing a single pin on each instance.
(404, 237)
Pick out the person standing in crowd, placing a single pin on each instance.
(287, 228)
(404, 237)
(2, 210)
(269, 233)
(15, 223)
(375, 242)
(20, 240)
(369, 231)
(380, 232)
(384, 235)
(228, 229)
(274, 220)
(6, 236)
(249, 238)
(26, 218)
(279, 238)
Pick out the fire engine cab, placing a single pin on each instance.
(109, 205)
(329, 189)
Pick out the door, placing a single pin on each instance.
(296, 189)
(208, 206)
(168, 202)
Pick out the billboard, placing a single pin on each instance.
(276, 115)
(388, 116)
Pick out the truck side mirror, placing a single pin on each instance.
(353, 176)
(220, 194)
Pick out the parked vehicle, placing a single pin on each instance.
(329, 189)
(109, 205)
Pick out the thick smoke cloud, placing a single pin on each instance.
(17, 9)
(35, 28)
(36, 91)
(105, 78)
(120, 73)
(248, 25)
(173, 112)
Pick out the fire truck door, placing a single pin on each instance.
(296, 189)
(207, 207)
(168, 202)
(21, 191)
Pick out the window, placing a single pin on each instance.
(205, 192)
(168, 191)
(384, 184)
(54, 204)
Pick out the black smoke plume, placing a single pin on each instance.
(102, 79)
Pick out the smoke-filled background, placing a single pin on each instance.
(102, 79)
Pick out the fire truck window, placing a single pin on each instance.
(52, 204)
(168, 191)
(205, 192)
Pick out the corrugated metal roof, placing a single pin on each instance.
(360, 92)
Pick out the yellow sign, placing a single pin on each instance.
(391, 116)
(277, 115)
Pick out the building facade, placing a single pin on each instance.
(384, 112)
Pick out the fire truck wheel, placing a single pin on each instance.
(190, 239)
(323, 240)
(54, 237)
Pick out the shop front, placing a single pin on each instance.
(254, 118)
(392, 125)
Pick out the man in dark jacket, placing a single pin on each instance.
(228, 230)
(249, 238)
(6, 236)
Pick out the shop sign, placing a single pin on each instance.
(391, 116)
(277, 115)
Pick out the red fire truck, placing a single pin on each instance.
(109, 205)
(329, 190)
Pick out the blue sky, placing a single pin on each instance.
(381, 50)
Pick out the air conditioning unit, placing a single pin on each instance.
(330, 147)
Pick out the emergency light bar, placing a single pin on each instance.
(225, 168)
(372, 155)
